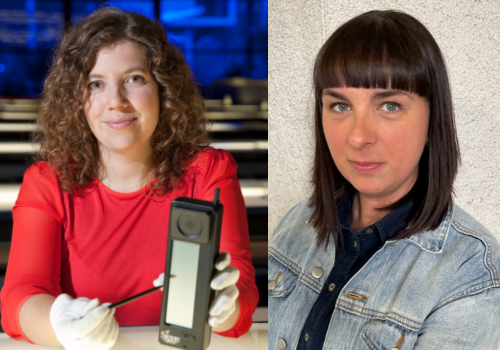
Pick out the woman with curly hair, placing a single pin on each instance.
(122, 133)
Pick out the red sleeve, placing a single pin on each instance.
(35, 255)
(220, 173)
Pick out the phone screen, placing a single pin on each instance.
(182, 287)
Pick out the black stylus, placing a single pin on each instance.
(137, 296)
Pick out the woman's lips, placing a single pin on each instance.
(366, 167)
(119, 125)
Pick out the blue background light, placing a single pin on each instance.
(219, 38)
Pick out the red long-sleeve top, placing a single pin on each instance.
(99, 243)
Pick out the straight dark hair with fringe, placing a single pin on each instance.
(386, 49)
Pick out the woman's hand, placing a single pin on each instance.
(83, 324)
(224, 283)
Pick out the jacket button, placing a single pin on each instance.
(369, 230)
(281, 344)
(355, 244)
(306, 337)
(317, 272)
(271, 285)
(331, 287)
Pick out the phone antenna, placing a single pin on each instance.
(216, 197)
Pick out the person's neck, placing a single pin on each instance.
(125, 171)
(365, 213)
(364, 209)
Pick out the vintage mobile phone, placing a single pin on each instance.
(193, 246)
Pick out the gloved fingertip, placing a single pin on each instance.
(222, 261)
(87, 305)
(106, 308)
(226, 257)
(214, 285)
(214, 312)
(212, 321)
(160, 280)
(94, 302)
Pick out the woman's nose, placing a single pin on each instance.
(117, 99)
(362, 132)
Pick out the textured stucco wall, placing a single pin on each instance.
(468, 33)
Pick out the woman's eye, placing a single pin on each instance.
(95, 85)
(391, 106)
(136, 79)
(340, 107)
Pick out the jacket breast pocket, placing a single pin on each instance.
(387, 335)
(281, 280)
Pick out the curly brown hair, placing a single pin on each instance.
(66, 142)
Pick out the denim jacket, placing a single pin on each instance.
(438, 289)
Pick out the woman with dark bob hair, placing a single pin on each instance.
(396, 264)
(122, 133)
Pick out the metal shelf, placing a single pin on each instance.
(254, 194)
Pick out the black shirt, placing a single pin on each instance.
(359, 247)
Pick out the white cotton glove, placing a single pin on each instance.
(82, 324)
(159, 281)
(224, 283)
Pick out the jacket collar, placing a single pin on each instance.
(434, 240)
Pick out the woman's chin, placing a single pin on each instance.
(122, 145)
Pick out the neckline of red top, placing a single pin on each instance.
(143, 190)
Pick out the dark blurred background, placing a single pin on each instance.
(225, 44)
(230, 33)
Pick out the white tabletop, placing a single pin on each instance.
(146, 338)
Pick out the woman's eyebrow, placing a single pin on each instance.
(135, 69)
(390, 93)
(335, 94)
(128, 71)
(376, 95)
